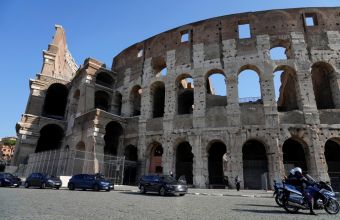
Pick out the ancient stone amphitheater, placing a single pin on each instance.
(156, 105)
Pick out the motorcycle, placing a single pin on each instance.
(322, 193)
(278, 193)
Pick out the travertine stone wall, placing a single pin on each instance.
(213, 46)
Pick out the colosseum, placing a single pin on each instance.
(156, 105)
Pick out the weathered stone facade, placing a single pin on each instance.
(120, 111)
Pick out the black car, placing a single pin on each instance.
(163, 185)
(90, 181)
(43, 180)
(7, 179)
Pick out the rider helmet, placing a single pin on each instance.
(296, 170)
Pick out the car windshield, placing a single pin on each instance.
(47, 176)
(168, 179)
(99, 177)
(8, 175)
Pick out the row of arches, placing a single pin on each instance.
(254, 155)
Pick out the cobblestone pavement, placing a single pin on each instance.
(126, 203)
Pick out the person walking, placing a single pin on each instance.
(237, 183)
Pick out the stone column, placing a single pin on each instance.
(199, 176)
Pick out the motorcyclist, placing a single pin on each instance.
(296, 178)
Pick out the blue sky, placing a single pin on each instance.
(99, 29)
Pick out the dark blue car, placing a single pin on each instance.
(90, 181)
(7, 179)
(43, 180)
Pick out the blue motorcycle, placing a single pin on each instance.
(322, 193)
(278, 193)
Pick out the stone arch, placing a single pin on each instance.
(294, 154)
(157, 93)
(130, 168)
(184, 161)
(78, 166)
(135, 100)
(216, 149)
(113, 132)
(51, 137)
(159, 66)
(117, 103)
(185, 94)
(249, 69)
(288, 90)
(104, 79)
(324, 85)
(102, 100)
(155, 153)
(216, 88)
(255, 164)
(55, 101)
(332, 156)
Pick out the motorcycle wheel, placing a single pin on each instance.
(290, 209)
(278, 200)
(332, 207)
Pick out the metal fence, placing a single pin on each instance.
(250, 99)
(71, 162)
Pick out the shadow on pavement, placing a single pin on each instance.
(148, 194)
(261, 211)
(259, 205)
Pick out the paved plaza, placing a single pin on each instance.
(126, 203)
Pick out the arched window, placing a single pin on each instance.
(157, 91)
(135, 100)
(324, 85)
(55, 101)
(159, 66)
(104, 79)
(294, 154)
(102, 100)
(51, 137)
(286, 89)
(185, 94)
(249, 89)
(156, 154)
(216, 86)
(113, 131)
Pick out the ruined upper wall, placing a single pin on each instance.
(211, 33)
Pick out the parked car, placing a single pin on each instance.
(8, 179)
(163, 185)
(43, 180)
(90, 181)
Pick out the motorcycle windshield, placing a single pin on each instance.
(310, 179)
(182, 179)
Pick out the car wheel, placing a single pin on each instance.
(162, 191)
(71, 186)
(108, 190)
(0, 183)
(142, 189)
(43, 185)
(181, 194)
(96, 187)
(27, 185)
(57, 188)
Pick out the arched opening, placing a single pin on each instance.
(332, 155)
(51, 137)
(215, 163)
(102, 100)
(184, 161)
(285, 84)
(113, 131)
(159, 66)
(294, 155)
(157, 91)
(130, 165)
(255, 165)
(117, 104)
(135, 100)
(249, 89)
(55, 101)
(78, 166)
(278, 53)
(156, 158)
(185, 94)
(104, 79)
(324, 85)
(216, 86)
